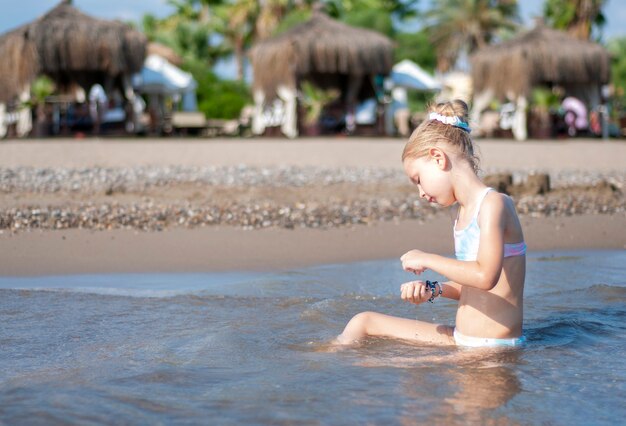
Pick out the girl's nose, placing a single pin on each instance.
(422, 193)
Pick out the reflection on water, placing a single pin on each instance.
(480, 389)
(249, 348)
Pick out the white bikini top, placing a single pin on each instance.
(466, 241)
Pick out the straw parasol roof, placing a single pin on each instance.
(539, 56)
(70, 47)
(19, 65)
(319, 46)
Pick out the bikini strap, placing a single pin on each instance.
(480, 201)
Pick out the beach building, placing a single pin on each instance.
(170, 93)
(515, 71)
(321, 76)
(77, 52)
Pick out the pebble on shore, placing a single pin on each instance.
(573, 193)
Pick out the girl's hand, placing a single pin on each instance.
(414, 261)
(415, 292)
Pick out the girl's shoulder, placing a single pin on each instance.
(495, 204)
(500, 212)
(494, 196)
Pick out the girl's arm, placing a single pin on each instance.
(451, 290)
(418, 292)
(484, 272)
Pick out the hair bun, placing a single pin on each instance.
(454, 108)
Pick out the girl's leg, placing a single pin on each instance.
(375, 324)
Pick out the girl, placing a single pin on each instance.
(487, 276)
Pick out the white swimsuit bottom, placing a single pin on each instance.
(486, 342)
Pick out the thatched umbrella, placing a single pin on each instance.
(70, 47)
(324, 51)
(541, 56)
(19, 66)
(319, 46)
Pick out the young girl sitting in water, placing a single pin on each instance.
(487, 276)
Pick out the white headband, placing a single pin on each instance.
(450, 120)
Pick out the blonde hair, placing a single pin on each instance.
(434, 132)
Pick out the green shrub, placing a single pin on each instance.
(223, 104)
(218, 98)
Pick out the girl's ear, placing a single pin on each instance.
(439, 157)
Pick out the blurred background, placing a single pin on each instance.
(532, 69)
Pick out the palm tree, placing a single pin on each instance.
(242, 22)
(578, 17)
(236, 23)
(187, 30)
(399, 10)
(199, 10)
(462, 26)
(270, 14)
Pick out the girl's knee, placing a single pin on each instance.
(362, 319)
(356, 328)
(360, 322)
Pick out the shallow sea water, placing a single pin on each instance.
(253, 348)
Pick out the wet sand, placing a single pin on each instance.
(77, 251)
(223, 248)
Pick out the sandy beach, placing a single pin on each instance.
(339, 184)
(545, 155)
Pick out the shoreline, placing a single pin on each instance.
(227, 249)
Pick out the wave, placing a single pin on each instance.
(603, 292)
(578, 327)
(101, 291)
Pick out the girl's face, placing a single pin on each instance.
(429, 174)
